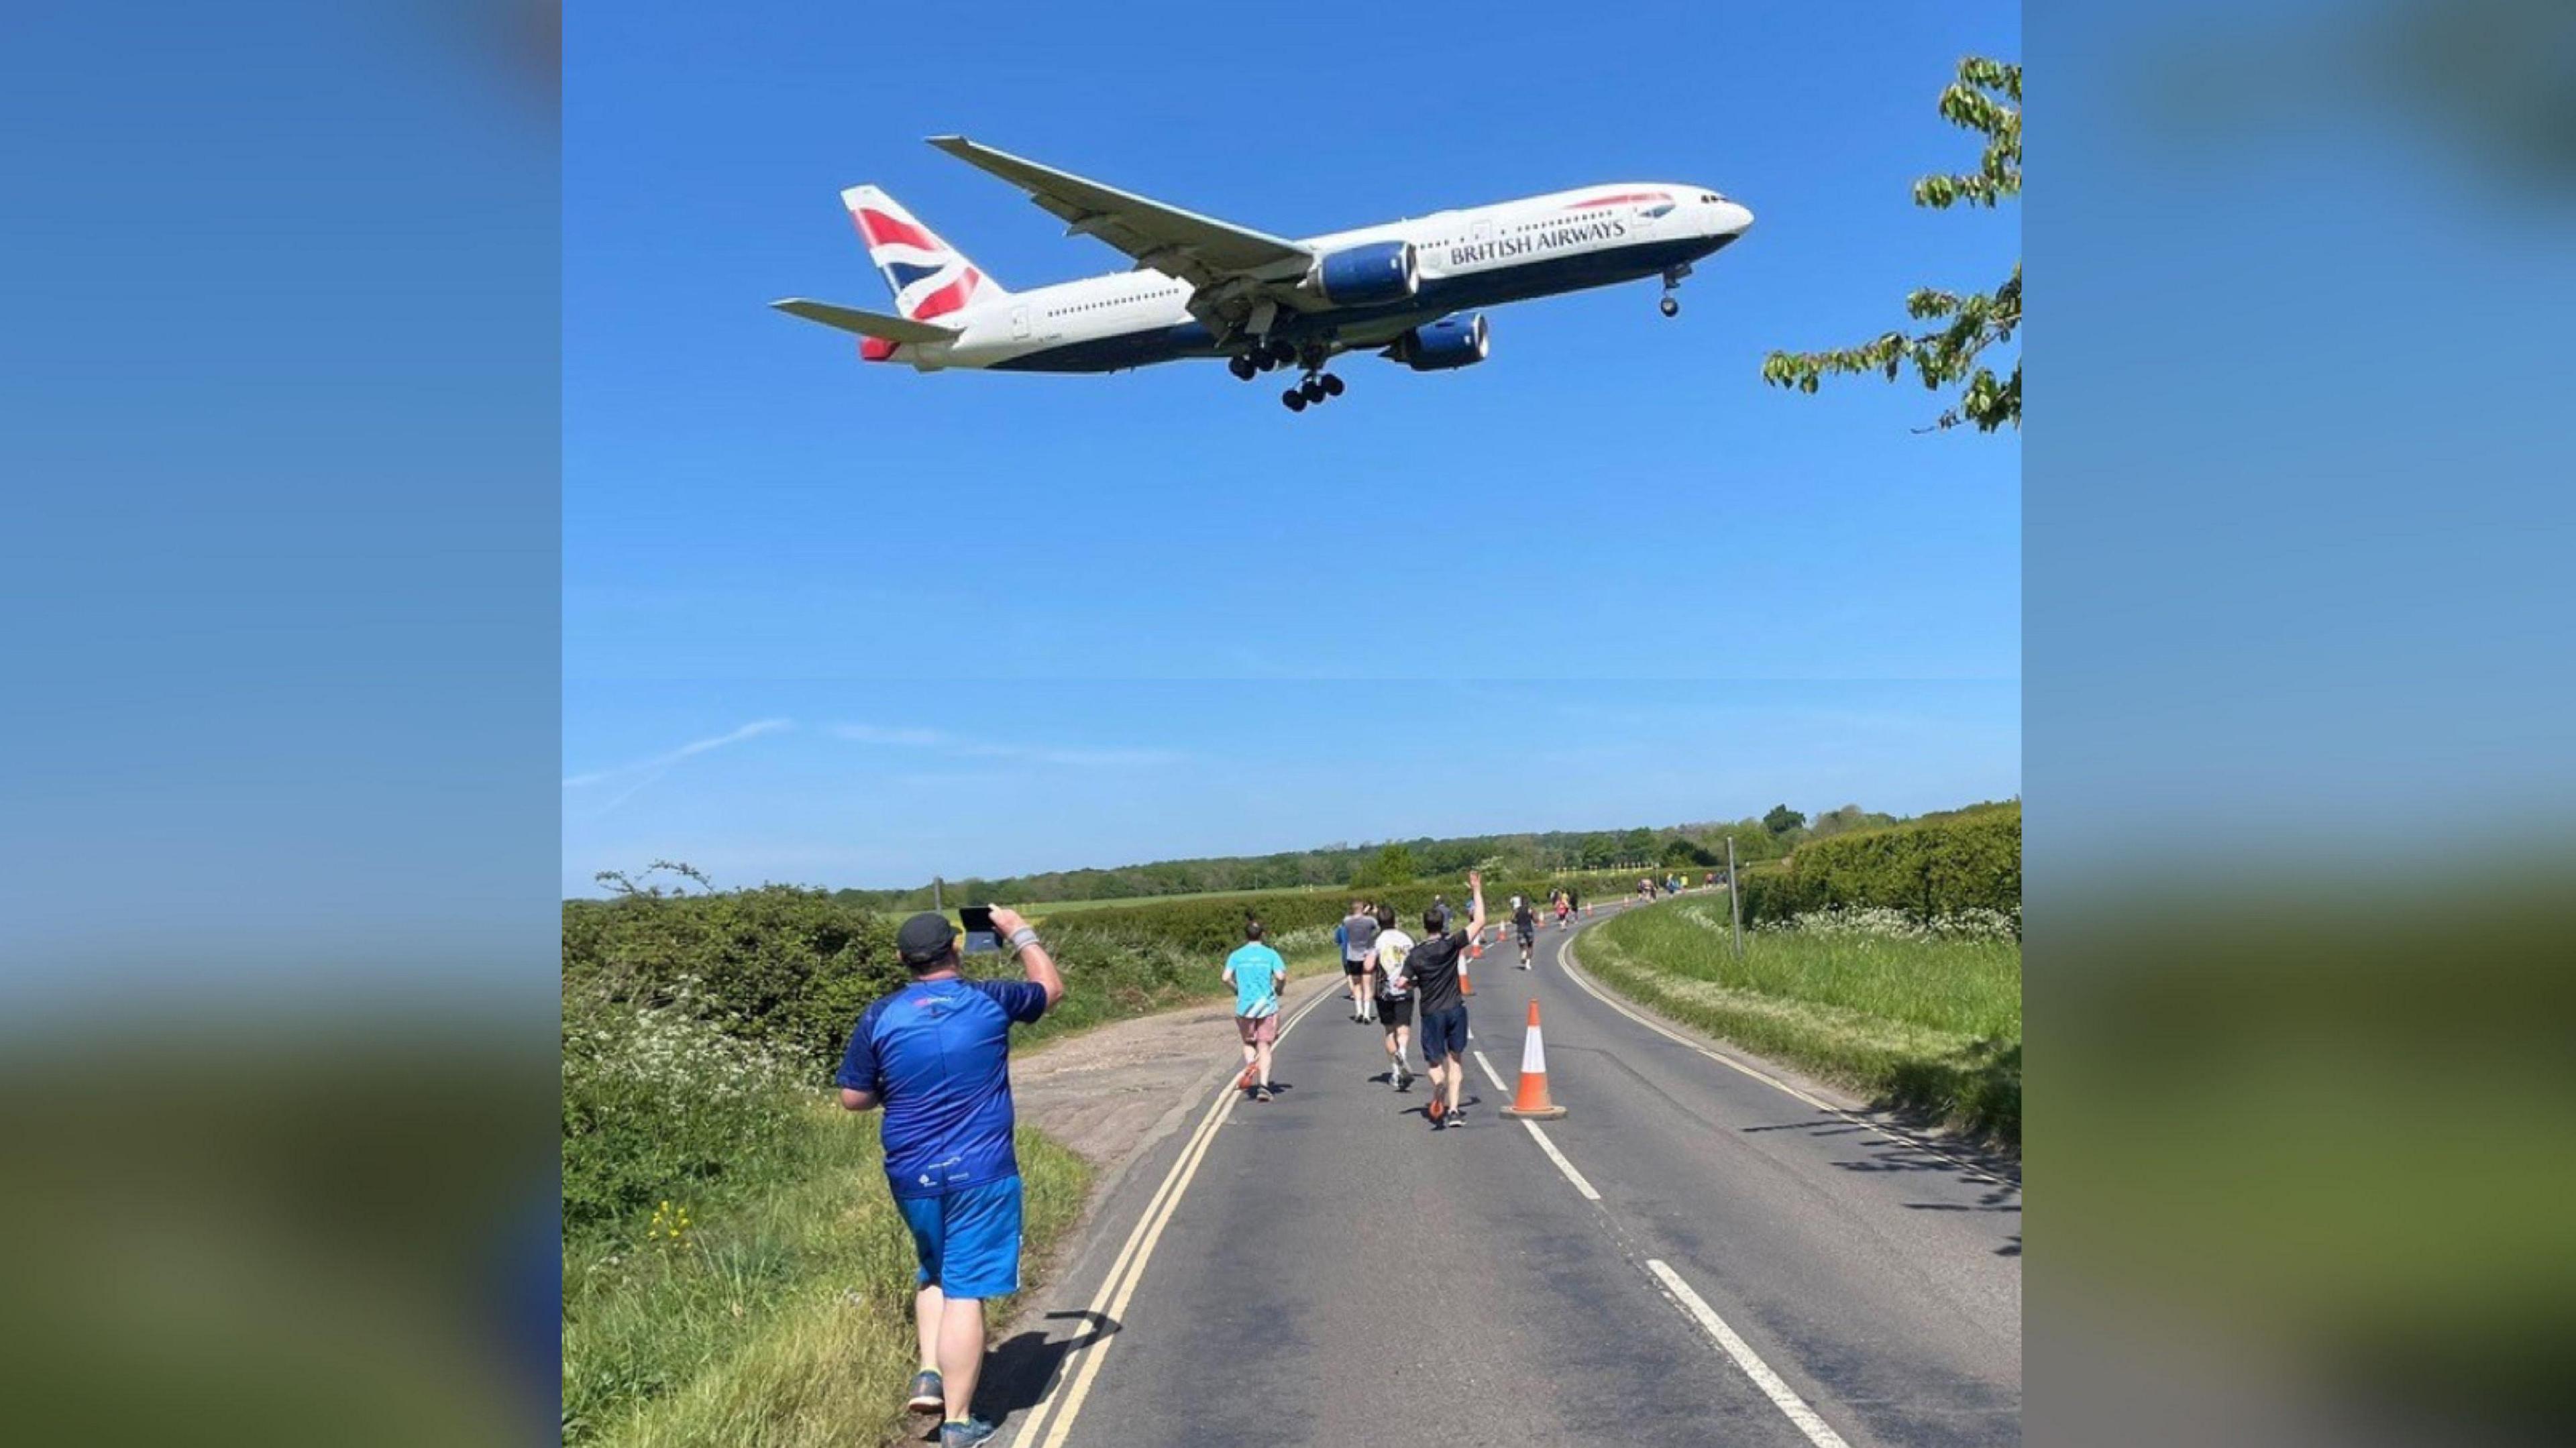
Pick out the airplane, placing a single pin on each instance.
(1411, 290)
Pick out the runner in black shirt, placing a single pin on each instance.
(1525, 920)
(1431, 968)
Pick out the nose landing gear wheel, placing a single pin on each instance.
(1295, 400)
(1670, 306)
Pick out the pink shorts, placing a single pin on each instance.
(1258, 1030)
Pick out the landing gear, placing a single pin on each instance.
(1671, 305)
(1242, 366)
(1312, 391)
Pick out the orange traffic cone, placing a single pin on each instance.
(1532, 1099)
(1466, 987)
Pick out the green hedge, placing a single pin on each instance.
(1212, 925)
(1938, 867)
(786, 967)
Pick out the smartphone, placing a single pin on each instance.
(980, 934)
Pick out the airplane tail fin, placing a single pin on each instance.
(929, 278)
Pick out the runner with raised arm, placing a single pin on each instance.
(1432, 969)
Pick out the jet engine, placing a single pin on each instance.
(1376, 274)
(1448, 343)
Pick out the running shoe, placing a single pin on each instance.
(927, 1395)
(967, 1434)
(1435, 1109)
(1260, 1093)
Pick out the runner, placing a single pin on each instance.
(1439, 908)
(1358, 931)
(936, 1055)
(1394, 997)
(1431, 968)
(1525, 921)
(1258, 975)
(1564, 903)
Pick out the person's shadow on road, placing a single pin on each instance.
(1016, 1374)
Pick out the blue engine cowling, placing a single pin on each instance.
(1448, 343)
(1377, 274)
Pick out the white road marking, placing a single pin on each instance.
(1780, 1394)
(1562, 1164)
(1489, 1070)
(1129, 1267)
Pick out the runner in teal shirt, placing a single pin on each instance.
(1257, 975)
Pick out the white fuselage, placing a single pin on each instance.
(1478, 257)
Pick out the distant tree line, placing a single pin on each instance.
(1398, 862)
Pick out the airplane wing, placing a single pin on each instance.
(1216, 257)
(866, 324)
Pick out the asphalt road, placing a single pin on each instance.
(1717, 1258)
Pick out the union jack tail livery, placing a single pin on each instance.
(929, 278)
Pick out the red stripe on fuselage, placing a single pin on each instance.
(1616, 200)
(879, 228)
(947, 299)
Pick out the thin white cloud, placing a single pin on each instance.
(638, 774)
(949, 744)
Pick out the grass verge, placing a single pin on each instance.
(784, 1322)
(1927, 1019)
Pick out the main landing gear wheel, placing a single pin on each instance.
(1312, 389)
(1670, 306)
(1332, 385)
(1295, 400)
(1242, 366)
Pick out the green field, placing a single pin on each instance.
(1925, 1017)
(1597, 885)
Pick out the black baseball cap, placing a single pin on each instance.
(924, 938)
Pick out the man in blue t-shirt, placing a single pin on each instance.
(937, 1056)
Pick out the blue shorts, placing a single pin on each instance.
(968, 1240)
(1443, 1033)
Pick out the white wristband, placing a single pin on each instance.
(1023, 938)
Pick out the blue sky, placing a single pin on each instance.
(849, 625)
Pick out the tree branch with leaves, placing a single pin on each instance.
(1986, 100)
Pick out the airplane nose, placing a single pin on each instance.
(1733, 218)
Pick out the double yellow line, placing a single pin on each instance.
(1054, 1415)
